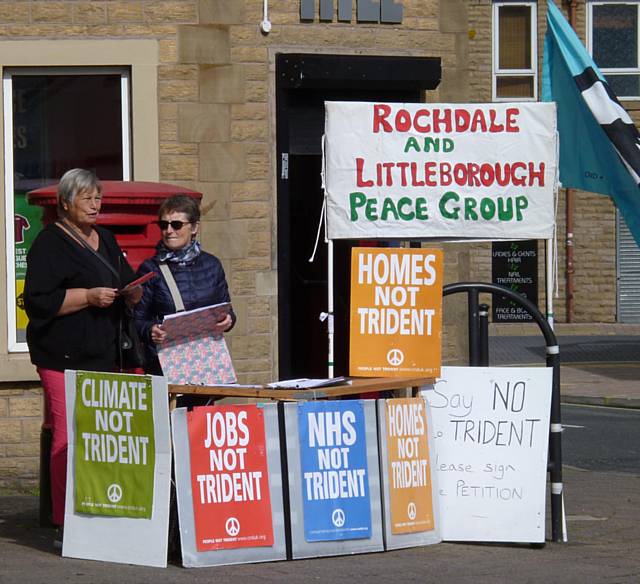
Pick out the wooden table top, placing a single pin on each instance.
(357, 385)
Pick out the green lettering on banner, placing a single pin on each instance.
(114, 445)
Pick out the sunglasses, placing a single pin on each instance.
(175, 225)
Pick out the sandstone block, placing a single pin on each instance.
(125, 12)
(203, 44)
(168, 50)
(255, 190)
(89, 13)
(178, 167)
(199, 122)
(226, 239)
(10, 431)
(224, 162)
(26, 406)
(221, 11)
(51, 12)
(246, 131)
(31, 429)
(267, 283)
(243, 284)
(171, 11)
(222, 84)
(252, 347)
(250, 210)
(251, 264)
(14, 12)
(178, 90)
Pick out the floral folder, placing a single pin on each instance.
(190, 355)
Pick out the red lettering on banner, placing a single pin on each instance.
(360, 182)
(444, 120)
(380, 114)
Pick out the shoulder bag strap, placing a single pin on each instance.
(83, 243)
(173, 287)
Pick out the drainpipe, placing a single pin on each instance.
(569, 268)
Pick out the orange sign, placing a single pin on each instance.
(396, 312)
(410, 496)
(229, 477)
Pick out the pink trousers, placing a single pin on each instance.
(53, 385)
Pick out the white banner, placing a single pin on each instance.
(453, 171)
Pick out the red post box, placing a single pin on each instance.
(129, 209)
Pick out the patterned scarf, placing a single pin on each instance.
(179, 256)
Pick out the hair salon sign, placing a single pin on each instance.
(453, 171)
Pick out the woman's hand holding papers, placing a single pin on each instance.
(222, 326)
(158, 334)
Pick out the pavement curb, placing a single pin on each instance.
(611, 402)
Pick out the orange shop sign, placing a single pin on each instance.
(396, 312)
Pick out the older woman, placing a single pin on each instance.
(73, 304)
(198, 275)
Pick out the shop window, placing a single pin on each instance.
(612, 39)
(56, 119)
(514, 51)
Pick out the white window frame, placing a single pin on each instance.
(619, 70)
(14, 346)
(496, 71)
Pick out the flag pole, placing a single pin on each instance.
(330, 308)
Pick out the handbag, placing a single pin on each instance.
(131, 353)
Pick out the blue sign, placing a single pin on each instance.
(335, 479)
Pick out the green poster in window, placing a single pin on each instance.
(114, 445)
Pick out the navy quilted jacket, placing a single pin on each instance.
(200, 282)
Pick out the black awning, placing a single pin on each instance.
(303, 71)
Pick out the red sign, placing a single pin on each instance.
(229, 477)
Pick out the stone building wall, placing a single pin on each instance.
(594, 215)
(216, 128)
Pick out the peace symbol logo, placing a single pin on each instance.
(114, 492)
(337, 518)
(411, 511)
(395, 357)
(232, 526)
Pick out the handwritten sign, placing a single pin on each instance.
(229, 477)
(491, 432)
(440, 170)
(333, 461)
(396, 312)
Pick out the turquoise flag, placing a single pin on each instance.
(599, 143)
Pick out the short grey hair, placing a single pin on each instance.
(181, 204)
(73, 182)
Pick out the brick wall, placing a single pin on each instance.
(20, 422)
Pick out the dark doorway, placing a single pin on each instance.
(304, 83)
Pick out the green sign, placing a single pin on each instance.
(114, 445)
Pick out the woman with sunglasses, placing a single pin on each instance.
(198, 275)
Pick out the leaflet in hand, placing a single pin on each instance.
(139, 281)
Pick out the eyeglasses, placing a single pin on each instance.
(175, 225)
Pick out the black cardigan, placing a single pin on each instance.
(85, 339)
